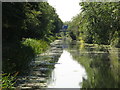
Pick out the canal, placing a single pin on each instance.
(86, 66)
(72, 64)
(68, 73)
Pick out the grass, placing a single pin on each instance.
(8, 80)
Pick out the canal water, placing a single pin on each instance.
(68, 73)
(75, 65)
(86, 66)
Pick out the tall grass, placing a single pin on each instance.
(8, 80)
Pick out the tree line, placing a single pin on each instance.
(27, 30)
(98, 22)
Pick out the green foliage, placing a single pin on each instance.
(29, 20)
(36, 22)
(8, 80)
(17, 57)
(102, 68)
(42, 22)
(116, 39)
(98, 22)
(38, 46)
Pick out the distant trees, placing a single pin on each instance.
(98, 23)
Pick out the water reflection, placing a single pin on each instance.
(86, 66)
(102, 66)
(68, 74)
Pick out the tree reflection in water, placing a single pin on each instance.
(102, 66)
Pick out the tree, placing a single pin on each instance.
(98, 22)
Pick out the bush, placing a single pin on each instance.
(16, 57)
(116, 43)
(38, 46)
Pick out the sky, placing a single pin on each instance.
(66, 9)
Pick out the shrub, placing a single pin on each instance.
(16, 57)
(38, 46)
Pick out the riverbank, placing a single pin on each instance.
(18, 57)
(41, 68)
(26, 32)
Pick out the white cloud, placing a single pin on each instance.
(66, 9)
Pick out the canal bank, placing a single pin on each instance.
(41, 68)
